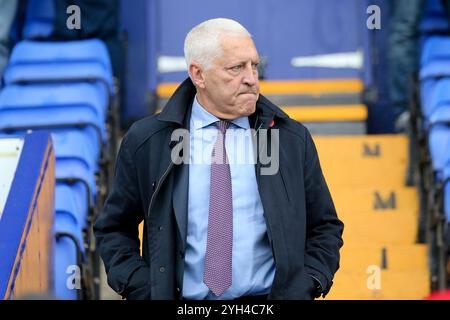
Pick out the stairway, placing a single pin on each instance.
(379, 259)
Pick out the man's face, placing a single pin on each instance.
(231, 85)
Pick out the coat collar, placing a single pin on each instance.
(180, 102)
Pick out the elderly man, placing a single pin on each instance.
(219, 229)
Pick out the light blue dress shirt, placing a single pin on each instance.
(253, 264)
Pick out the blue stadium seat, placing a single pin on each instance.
(65, 257)
(77, 152)
(436, 48)
(79, 144)
(436, 25)
(70, 199)
(67, 253)
(53, 106)
(81, 197)
(447, 193)
(439, 145)
(438, 124)
(435, 65)
(434, 18)
(426, 91)
(83, 60)
(435, 69)
(39, 19)
(438, 97)
(68, 168)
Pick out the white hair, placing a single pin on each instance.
(202, 42)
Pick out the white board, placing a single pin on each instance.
(10, 150)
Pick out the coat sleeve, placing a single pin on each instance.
(116, 229)
(324, 229)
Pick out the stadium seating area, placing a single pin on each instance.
(431, 137)
(67, 88)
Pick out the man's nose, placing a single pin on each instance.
(250, 76)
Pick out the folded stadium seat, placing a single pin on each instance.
(81, 195)
(435, 65)
(79, 144)
(438, 97)
(39, 19)
(447, 193)
(76, 153)
(53, 106)
(76, 195)
(434, 19)
(435, 25)
(72, 171)
(68, 249)
(72, 209)
(64, 260)
(82, 60)
(438, 126)
(436, 48)
(439, 142)
(427, 86)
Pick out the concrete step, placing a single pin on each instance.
(390, 257)
(380, 285)
(394, 229)
(327, 113)
(355, 161)
(368, 200)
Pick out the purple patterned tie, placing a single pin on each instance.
(217, 275)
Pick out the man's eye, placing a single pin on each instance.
(236, 68)
(255, 66)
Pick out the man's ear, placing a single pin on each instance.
(197, 75)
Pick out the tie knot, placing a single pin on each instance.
(222, 125)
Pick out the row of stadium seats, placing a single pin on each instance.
(67, 88)
(430, 123)
(435, 107)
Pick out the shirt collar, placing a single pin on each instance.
(201, 118)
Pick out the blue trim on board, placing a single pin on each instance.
(23, 195)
